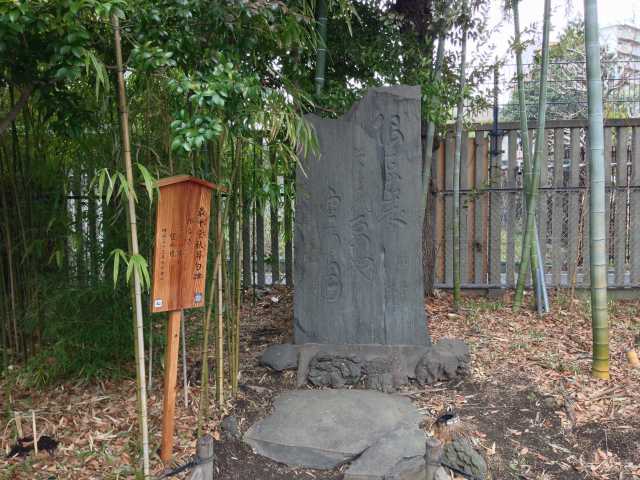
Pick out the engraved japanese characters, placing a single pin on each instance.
(358, 226)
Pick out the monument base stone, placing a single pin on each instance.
(377, 367)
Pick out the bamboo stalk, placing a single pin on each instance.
(35, 432)
(133, 230)
(220, 261)
(4, 328)
(220, 342)
(598, 226)
(321, 61)
(456, 173)
(532, 197)
(11, 272)
(526, 154)
(275, 225)
(236, 286)
(288, 229)
(204, 362)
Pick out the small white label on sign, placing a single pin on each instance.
(198, 297)
(157, 302)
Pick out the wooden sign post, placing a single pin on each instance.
(179, 273)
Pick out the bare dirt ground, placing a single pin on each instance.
(529, 403)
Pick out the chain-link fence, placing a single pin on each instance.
(566, 90)
(492, 217)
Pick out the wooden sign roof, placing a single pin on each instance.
(164, 182)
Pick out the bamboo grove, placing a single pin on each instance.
(100, 98)
(65, 261)
(203, 97)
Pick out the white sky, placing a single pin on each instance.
(609, 12)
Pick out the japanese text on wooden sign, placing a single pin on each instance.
(182, 235)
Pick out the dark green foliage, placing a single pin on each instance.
(201, 76)
(86, 333)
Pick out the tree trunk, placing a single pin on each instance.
(428, 241)
(16, 109)
(135, 250)
(597, 232)
(532, 197)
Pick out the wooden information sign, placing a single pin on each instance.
(179, 272)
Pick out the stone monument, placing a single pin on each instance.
(358, 226)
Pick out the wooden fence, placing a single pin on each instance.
(491, 225)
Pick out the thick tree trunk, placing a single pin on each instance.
(16, 109)
(428, 240)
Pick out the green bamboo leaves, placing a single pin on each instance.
(597, 240)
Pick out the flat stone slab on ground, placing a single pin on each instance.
(326, 428)
(390, 454)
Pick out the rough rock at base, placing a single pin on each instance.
(397, 363)
(335, 370)
(230, 428)
(446, 360)
(379, 373)
(326, 428)
(461, 455)
(280, 357)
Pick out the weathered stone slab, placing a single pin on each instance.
(389, 454)
(357, 269)
(401, 359)
(326, 428)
